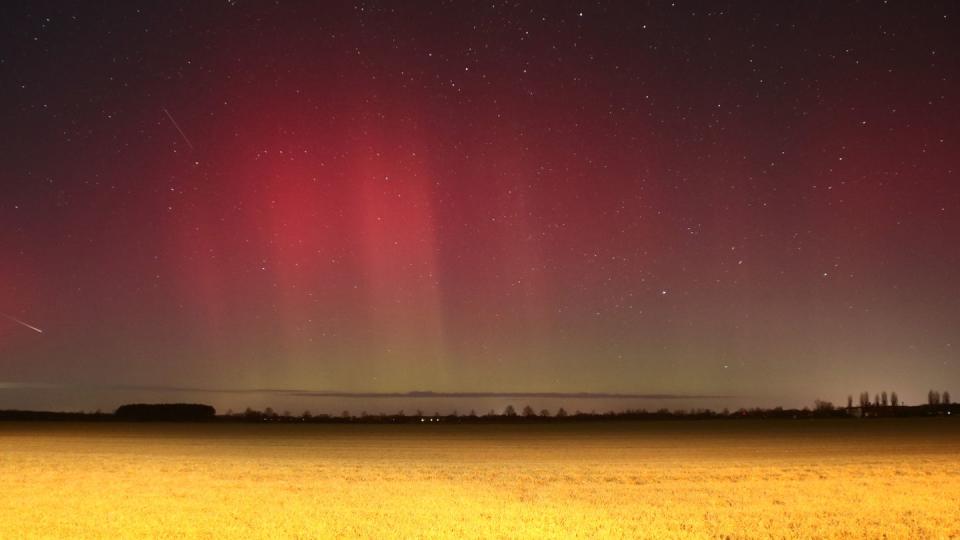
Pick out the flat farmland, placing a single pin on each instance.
(672, 479)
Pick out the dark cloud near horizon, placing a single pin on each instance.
(416, 394)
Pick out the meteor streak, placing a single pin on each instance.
(18, 321)
(176, 125)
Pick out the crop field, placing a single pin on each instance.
(678, 479)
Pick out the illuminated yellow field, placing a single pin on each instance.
(713, 479)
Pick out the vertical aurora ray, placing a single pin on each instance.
(615, 198)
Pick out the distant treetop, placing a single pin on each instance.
(165, 412)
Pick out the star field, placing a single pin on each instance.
(755, 200)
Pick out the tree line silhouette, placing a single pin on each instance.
(883, 404)
(165, 412)
(935, 398)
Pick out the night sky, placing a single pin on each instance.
(725, 204)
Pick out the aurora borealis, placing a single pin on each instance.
(756, 200)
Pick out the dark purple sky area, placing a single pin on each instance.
(756, 200)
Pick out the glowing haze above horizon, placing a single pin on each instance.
(732, 205)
